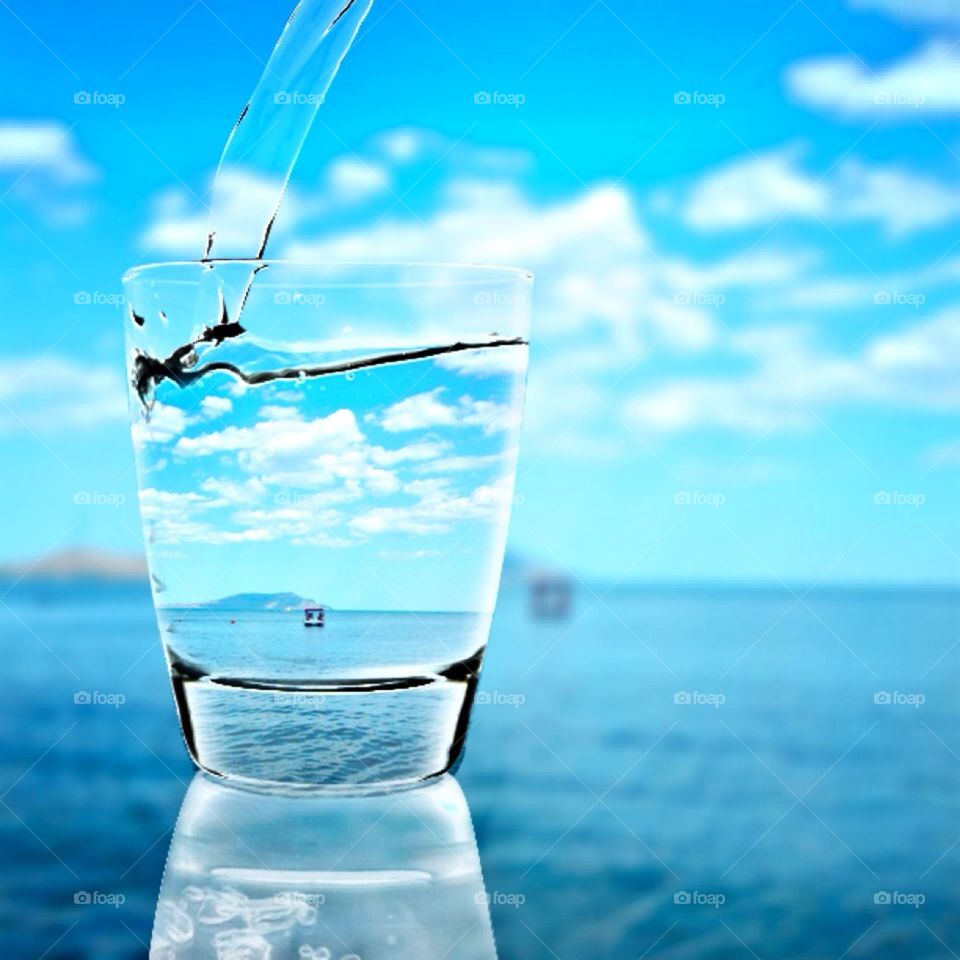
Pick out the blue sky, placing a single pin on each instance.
(743, 224)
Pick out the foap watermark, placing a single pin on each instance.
(288, 698)
(87, 698)
(899, 98)
(897, 298)
(699, 298)
(86, 98)
(897, 498)
(896, 898)
(297, 499)
(294, 298)
(494, 698)
(484, 98)
(895, 698)
(296, 898)
(697, 898)
(696, 98)
(94, 898)
(696, 698)
(698, 498)
(297, 98)
(488, 298)
(498, 899)
(97, 498)
(97, 298)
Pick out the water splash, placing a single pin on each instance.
(267, 140)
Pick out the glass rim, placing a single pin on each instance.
(471, 271)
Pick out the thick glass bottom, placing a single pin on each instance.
(331, 733)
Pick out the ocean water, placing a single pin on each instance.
(669, 773)
(353, 645)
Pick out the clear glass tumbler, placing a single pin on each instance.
(326, 457)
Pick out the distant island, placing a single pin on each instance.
(285, 602)
(78, 563)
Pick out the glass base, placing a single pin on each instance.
(337, 734)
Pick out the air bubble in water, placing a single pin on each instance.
(162, 950)
(241, 945)
(314, 953)
(174, 923)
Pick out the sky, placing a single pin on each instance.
(742, 222)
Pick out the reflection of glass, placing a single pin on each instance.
(323, 876)
(330, 447)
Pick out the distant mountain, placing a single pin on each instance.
(260, 601)
(521, 570)
(78, 564)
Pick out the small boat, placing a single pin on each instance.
(313, 617)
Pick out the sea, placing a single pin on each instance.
(670, 771)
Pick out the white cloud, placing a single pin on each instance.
(424, 410)
(608, 303)
(486, 363)
(411, 453)
(735, 405)
(485, 222)
(405, 144)
(600, 282)
(299, 477)
(917, 367)
(164, 423)
(155, 504)
(44, 147)
(243, 202)
(755, 190)
(751, 270)
(48, 393)
(596, 270)
(828, 294)
(227, 492)
(329, 457)
(351, 179)
(296, 453)
(927, 81)
(213, 406)
(419, 411)
(278, 411)
(169, 529)
(900, 199)
(437, 508)
(933, 11)
(272, 436)
(43, 171)
(759, 189)
(465, 464)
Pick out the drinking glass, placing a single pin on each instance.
(326, 458)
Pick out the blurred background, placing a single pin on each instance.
(730, 729)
